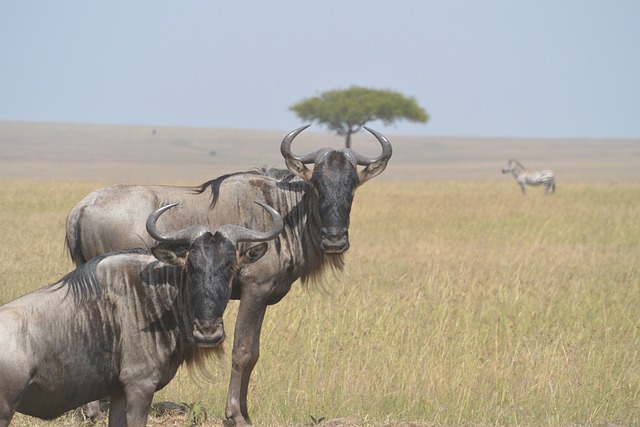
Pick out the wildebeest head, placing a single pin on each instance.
(210, 260)
(334, 178)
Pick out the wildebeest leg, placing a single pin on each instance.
(91, 410)
(118, 410)
(6, 413)
(139, 398)
(7, 408)
(14, 379)
(130, 408)
(246, 350)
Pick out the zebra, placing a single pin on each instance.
(524, 177)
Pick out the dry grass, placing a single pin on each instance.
(463, 304)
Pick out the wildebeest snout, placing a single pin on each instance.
(208, 333)
(335, 239)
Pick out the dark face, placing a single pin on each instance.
(335, 180)
(211, 263)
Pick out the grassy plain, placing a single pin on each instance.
(463, 303)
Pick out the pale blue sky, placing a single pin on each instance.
(543, 68)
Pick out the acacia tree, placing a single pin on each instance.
(346, 111)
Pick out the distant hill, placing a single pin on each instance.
(144, 154)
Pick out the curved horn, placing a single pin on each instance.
(240, 234)
(386, 149)
(185, 236)
(285, 146)
(374, 166)
(296, 164)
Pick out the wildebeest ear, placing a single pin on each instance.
(170, 257)
(374, 169)
(254, 253)
(299, 169)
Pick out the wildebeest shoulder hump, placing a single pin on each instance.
(82, 283)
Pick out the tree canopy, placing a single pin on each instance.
(346, 111)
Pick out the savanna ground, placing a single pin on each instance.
(463, 302)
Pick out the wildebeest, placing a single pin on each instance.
(315, 204)
(121, 324)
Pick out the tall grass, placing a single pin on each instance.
(462, 304)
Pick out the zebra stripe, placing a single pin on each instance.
(524, 177)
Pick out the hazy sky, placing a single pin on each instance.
(537, 68)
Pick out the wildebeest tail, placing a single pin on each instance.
(72, 243)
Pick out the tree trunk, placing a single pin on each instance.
(347, 142)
